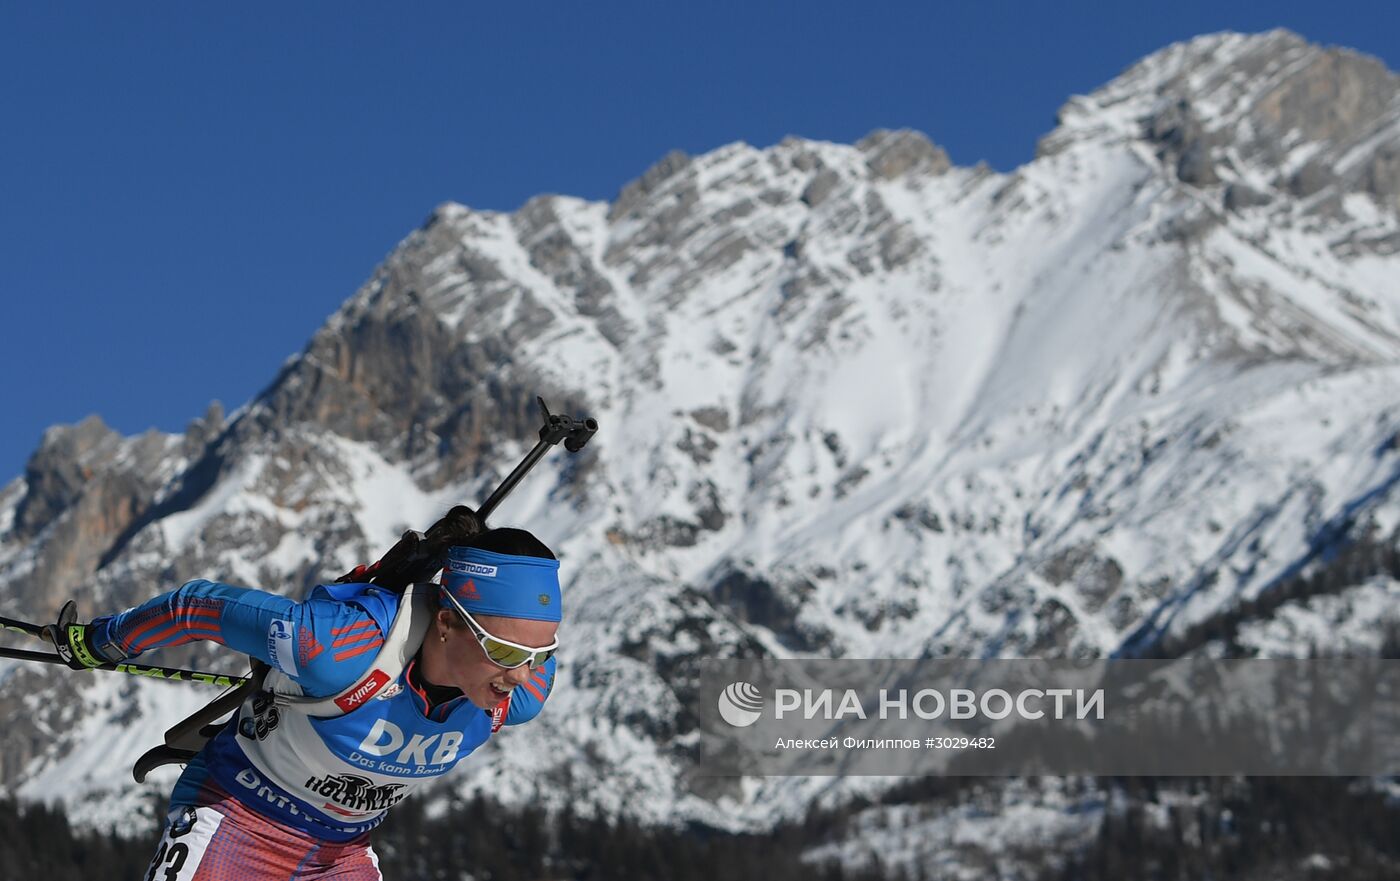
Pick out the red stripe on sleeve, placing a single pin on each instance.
(357, 650)
(355, 637)
(349, 627)
(196, 631)
(191, 615)
(163, 618)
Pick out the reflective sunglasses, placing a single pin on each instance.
(503, 652)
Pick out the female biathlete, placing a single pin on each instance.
(370, 694)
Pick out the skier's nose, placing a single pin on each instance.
(518, 675)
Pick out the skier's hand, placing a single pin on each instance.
(73, 640)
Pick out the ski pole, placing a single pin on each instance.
(24, 627)
(171, 674)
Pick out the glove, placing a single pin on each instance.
(74, 640)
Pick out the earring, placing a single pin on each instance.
(442, 637)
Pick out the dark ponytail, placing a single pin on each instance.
(417, 557)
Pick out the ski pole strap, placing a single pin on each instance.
(77, 645)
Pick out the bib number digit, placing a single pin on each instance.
(183, 846)
(175, 861)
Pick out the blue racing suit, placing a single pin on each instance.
(330, 778)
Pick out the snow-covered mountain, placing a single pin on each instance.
(855, 402)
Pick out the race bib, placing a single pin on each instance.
(188, 832)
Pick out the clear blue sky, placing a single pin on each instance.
(188, 190)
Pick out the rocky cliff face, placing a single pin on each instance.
(855, 402)
(1263, 118)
